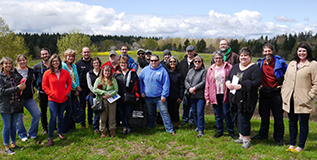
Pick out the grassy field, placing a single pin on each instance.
(158, 144)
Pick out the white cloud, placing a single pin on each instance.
(61, 16)
(283, 19)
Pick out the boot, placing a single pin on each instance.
(113, 133)
(103, 134)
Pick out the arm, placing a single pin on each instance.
(313, 91)
(76, 75)
(91, 88)
(115, 86)
(68, 84)
(201, 84)
(97, 90)
(64, 66)
(254, 81)
(207, 85)
(46, 84)
(166, 84)
(141, 82)
(181, 80)
(7, 91)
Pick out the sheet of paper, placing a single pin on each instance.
(235, 81)
(114, 98)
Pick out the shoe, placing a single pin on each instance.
(33, 137)
(196, 129)
(9, 152)
(113, 133)
(24, 139)
(246, 144)
(61, 136)
(200, 134)
(17, 147)
(289, 149)
(279, 142)
(44, 132)
(103, 134)
(129, 131)
(181, 124)
(191, 125)
(240, 140)
(50, 142)
(96, 131)
(297, 150)
(233, 136)
(219, 134)
(173, 133)
(124, 131)
(257, 137)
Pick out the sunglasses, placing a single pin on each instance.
(141, 53)
(197, 61)
(148, 53)
(153, 60)
(172, 61)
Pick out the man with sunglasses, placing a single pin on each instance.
(141, 60)
(148, 55)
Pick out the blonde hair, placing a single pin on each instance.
(103, 77)
(69, 52)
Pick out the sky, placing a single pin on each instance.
(163, 18)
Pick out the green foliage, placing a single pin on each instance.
(201, 46)
(186, 43)
(11, 45)
(76, 41)
(151, 44)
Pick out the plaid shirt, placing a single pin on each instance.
(15, 96)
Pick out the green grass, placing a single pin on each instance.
(157, 144)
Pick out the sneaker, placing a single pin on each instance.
(17, 148)
(44, 132)
(173, 133)
(196, 130)
(297, 150)
(246, 144)
(200, 134)
(9, 152)
(233, 136)
(240, 140)
(33, 137)
(50, 142)
(24, 139)
(61, 136)
(257, 137)
(219, 134)
(181, 124)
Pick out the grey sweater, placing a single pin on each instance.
(197, 79)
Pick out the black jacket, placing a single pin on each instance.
(134, 86)
(82, 68)
(6, 90)
(30, 83)
(176, 84)
(184, 67)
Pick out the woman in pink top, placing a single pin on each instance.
(216, 93)
(57, 85)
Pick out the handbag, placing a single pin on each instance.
(98, 107)
(129, 98)
(78, 115)
(16, 107)
(138, 115)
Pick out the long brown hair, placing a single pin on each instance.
(51, 61)
(102, 76)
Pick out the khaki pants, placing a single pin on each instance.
(110, 113)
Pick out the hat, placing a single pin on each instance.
(140, 50)
(166, 51)
(112, 52)
(190, 48)
(148, 51)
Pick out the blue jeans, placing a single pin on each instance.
(151, 104)
(82, 98)
(56, 110)
(96, 117)
(125, 112)
(198, 107)
(187, 114)
(31, 106)
(222, 111)
(9, 127)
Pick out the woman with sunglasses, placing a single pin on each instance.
(195, 85)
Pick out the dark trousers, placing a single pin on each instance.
(68, 120)
(173, 109)
(293, 128)
(187, 111)
(43, 101)
(83, 102)
(274, 104)
(242, 120)
(222, 111)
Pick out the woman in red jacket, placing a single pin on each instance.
(57, 85)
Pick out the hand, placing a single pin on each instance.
(237, 87)
(192, 90)
(179, 101)
(207, 103)
(260, 87)
(229, 85)
(137, 99)
(143, 95)
(104, 97)
(76, 93)
(21, 86)
(280, 86)
(163, 100)
(78, 89)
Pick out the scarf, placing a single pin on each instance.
(226, 54)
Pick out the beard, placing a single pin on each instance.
(223, 49)
(142, 62)
(268, 57)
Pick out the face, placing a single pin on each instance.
(106, 73)
(148, 55)
(198, 63)
(140, 54)
(7, 66)
(96, 64)
(223, 45)
(190, 54)
(267, 52)
(86, 53)
(218, 60)
(302, 53)
(154, 62)
(166, 57)
(55, 63)
(70, 59)
(22, 62)
(173, 63)
(123, 65)
(245, 59)
(45, 55)
(124, 50)
(114, 58)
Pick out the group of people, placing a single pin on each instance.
(231, 85)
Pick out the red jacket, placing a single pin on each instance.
(109, 64)
(210, 85)
(57, 89)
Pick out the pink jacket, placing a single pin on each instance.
(210, 86)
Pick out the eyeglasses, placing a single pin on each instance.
(153, 60)
(124, 49)
(172, 61)
(197, 61)
(148, 53)
(218, 58)
(141, 53)
(123, 63)
(55, 61)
